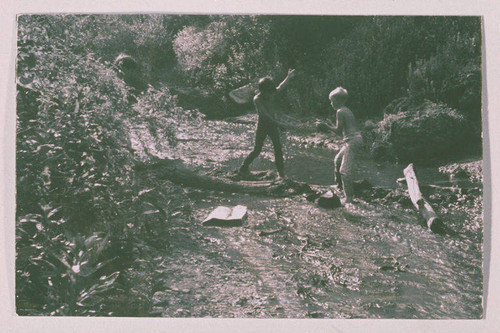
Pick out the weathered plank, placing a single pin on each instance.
(223, 216)
(432, 220)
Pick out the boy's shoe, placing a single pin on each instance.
(280, 179)
(335, 188)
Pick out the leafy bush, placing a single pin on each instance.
(58, 275)
(229, 52)
(426, 133)
(452, 75)
(371, 61)
(148, 38)
(157, 111)
(79, 211)
(75, 138)
(369, 56)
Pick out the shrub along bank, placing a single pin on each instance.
(82, 217)
(428, 133)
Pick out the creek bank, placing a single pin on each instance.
(291, 259)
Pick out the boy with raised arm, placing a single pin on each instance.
(346, 157)
(268, 125)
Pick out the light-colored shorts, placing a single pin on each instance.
(347, 156)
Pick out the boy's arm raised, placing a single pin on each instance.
(283, 84)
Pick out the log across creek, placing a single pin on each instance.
(178, 173)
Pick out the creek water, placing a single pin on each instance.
(292, 259)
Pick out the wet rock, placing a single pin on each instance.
(299, 187)
(312, 196)
(431, 131)
(379, 193)
(329, 200)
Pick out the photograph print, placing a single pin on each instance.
(249, 166)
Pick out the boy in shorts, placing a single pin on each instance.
(352, 142)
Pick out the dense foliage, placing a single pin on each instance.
(442, 52)
(79, 210)
(81, 214)
(380, 60)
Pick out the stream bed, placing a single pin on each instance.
(293, 259)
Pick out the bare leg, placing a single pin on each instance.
(338, 163)
(348, 189)
(347, 169)
(278, 151)
(260, 137)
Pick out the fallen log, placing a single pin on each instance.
(432, 220)
(178, 173)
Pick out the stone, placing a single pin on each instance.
(329, 200)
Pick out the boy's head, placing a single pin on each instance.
(338, 97)
(266, 85)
